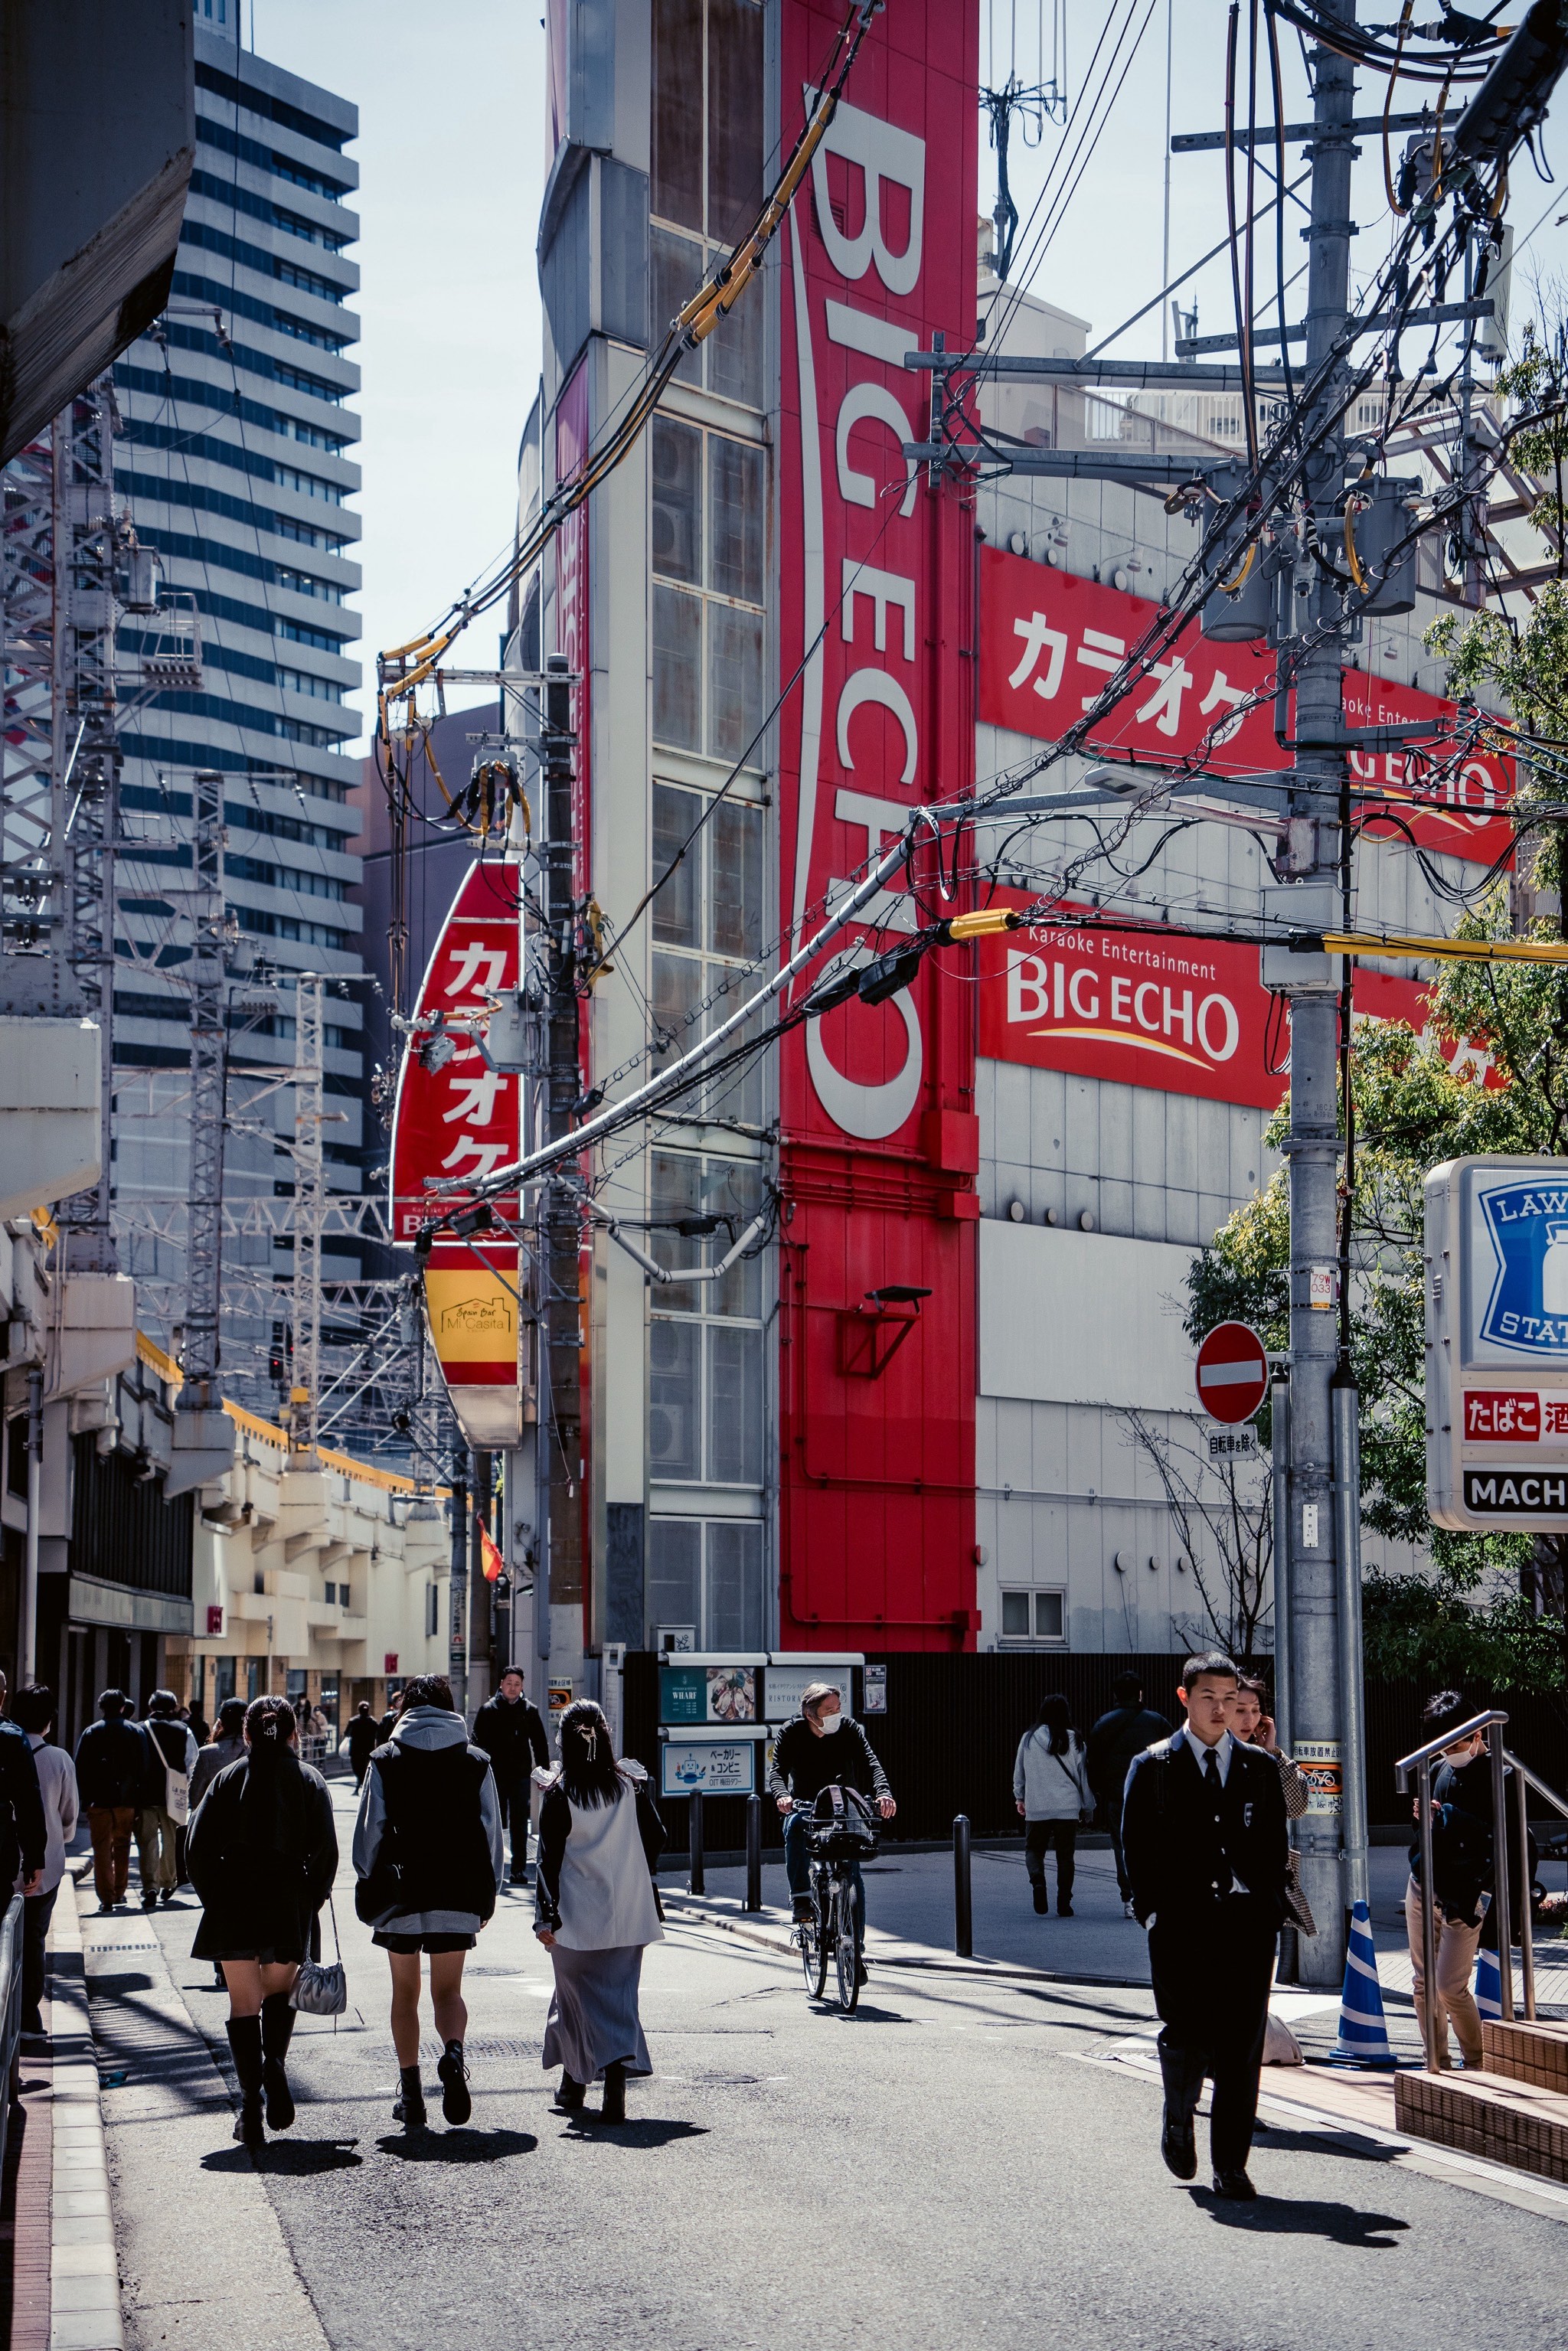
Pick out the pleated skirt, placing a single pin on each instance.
(593, 2020)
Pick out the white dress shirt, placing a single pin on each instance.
(1220, 1751)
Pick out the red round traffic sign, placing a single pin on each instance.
(1232, 1372)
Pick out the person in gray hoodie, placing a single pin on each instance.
(1051, 1789)
(429, 1859)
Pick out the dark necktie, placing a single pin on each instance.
(1211, 1773)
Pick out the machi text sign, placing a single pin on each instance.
(1496, 1341)
(1049, 644)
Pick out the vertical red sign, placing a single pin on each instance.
(880, 1140)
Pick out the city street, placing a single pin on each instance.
(961, 2153)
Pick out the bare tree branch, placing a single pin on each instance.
(1225, 1528)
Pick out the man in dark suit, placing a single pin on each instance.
(1203, 1829)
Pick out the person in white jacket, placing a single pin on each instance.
(1051, 1789)
(33, 1710)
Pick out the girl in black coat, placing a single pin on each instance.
(262, 1853)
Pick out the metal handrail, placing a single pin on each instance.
(1420, 1760)
(1525, 1779)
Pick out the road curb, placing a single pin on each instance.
(84, 2272)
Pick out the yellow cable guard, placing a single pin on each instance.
(1367, 943)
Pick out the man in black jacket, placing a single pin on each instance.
(1116, 1737)
(1203, 1828)
(24, 1831)
(1465, 1868)
(512, 1734)
(113, 1763)
(822, 1747)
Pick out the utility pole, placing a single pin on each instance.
(309, 1204)
(1313, 852)
(557, 1577)
(458, 1620)
(204, 1436)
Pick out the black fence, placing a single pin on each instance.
(122, 1530)
(953, 1724)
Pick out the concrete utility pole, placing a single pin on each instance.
(1321, 1703)
(557, 1577)
(309, 1209)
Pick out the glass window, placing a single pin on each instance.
(734, 353)
(677, 668)
(674, 1575)
(733, 1595)
(734, 1404)
(736, 705)
(705, 1575)
(1050, 1615)
(676, 814)
(1015, 1615)
(678, 265)
(677, 466)
(734, 80)
(677, 189)
(675, 1427)
(736, 494)
(707, 925)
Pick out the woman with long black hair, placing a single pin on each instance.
(262, 1853)
(427, 1852)
(596, 1910)
(1051, 1789)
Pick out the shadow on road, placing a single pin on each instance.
(460, 2146)
(1274, 2216)
(634, 2134)
(1295, 2142)
(301, 2158)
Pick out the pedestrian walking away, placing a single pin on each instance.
(823, 1748)
(1464, 1919)
(1124, 1732)
(596, 1909)
(1051, 1791)
(364, 1737)
(1251, 1722)
(226, 1746)
(33, 1713)
(263, 1854)
(427, 1854)
(196, 1723)
(1203, 1829)
(112, 1763)
(165, 1806)
(512, 1734)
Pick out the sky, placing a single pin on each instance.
(452, 159)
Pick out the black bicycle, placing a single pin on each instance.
(840, 1832)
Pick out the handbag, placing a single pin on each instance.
(176, 1786)
(321, 1988)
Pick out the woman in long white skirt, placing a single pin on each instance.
(596, 1910)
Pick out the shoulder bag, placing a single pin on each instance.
(176, 1786)
(321, 1987)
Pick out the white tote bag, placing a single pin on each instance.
(176, 1788)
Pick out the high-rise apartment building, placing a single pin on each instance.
(235, 463)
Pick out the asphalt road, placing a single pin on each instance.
(961, 2161)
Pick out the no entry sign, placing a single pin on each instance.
(1232, 1372)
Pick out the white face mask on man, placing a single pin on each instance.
(827, 1723)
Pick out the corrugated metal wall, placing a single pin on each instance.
(953, 1724)
(122, 1528)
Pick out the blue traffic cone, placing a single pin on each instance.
(1488, 1986)
(1363, 2032)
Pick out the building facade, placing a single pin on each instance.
(926, 1411)
(235, 462)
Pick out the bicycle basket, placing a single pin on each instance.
(843, 1826)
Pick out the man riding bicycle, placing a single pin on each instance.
(822, 1747)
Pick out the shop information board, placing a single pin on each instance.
(1497, 1342)
(701, 1689)
(710, 1766)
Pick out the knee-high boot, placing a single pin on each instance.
(245, 2045)
(277, 2031)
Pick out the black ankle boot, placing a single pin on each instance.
(277, 2031)
(568, 2097)
(244, 2046)
(456, 2106)
(408, 2108)
(613, 2107)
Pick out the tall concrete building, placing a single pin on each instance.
(235, 462)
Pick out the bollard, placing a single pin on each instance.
(754, 1853)
(963, 1908)
(698, 1882)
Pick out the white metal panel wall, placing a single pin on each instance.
(1083, 1318)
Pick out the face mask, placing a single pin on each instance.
(828, 1723)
